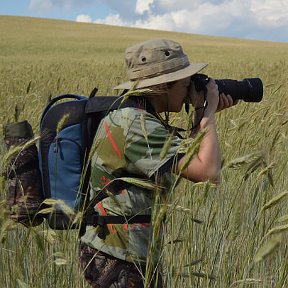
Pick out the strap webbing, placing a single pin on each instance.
(96, 219)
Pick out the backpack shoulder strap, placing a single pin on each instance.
(102, 104)
(108, 103)
(58, 98)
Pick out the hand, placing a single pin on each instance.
(225, 101)
(212, 97)
(197, 99)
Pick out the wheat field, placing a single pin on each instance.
(232, 235)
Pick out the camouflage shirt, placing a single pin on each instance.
(128, 143)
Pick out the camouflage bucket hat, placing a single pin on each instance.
(155, 62)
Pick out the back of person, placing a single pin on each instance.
(122, 151)
(129, 145)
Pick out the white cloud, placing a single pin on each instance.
(172, 5)
(238, 18)
(269, 12)
(84, 18)
(143, 6)
(113, 19)
(206, 18)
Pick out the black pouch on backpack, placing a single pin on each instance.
(24, 196)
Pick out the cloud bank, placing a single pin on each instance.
(254, 19)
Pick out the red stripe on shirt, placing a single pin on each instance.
(112, 141)
(102, 210)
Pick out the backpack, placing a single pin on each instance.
(59, 173)
(67, 131)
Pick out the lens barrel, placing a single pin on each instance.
(249, 89)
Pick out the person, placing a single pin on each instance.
(129, 145)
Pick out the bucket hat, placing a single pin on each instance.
(155, 62)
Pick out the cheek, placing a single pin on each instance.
(178, 101)
(176, 97)
(182, 95)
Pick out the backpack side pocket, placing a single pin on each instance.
(65, 162)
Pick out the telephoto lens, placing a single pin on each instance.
(248, 89)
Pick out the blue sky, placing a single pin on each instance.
(54, 9)
(248, 19)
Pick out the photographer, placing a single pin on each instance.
(129, 143)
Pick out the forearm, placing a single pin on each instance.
(206, 164)
(209, 152)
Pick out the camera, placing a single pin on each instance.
(248, 89)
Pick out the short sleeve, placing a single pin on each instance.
(150, 148)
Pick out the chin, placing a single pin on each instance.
(176, 110)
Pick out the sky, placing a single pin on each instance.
(247, 19)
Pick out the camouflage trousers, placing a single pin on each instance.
(105, 271)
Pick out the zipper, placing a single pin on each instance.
(58, 140)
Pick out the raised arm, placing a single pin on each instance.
(206, 164)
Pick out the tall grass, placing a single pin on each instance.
(232, 235)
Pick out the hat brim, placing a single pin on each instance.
(164, 78)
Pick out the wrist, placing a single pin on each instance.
(208, 121)
(209, 112)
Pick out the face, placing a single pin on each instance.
(177, 94)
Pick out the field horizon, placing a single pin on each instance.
(127, 28)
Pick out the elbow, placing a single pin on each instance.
(202, 171)
(215, 179)
(211, 177)
(206, 174)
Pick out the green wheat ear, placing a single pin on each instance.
(16, 150)
(62, 122)
(268, 248)
(191, 150)
(140, 183)
(57, 204)
(6, 224)
(283, 218)
(274, 201)
(166, 147)
(135, 92)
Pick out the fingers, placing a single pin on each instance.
(212, 96)
(225, 101)
(212, 86)
(212, 83)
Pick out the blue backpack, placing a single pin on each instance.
(67, 130)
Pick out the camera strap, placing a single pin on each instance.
(205, 105)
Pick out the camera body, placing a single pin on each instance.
(248, 89)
